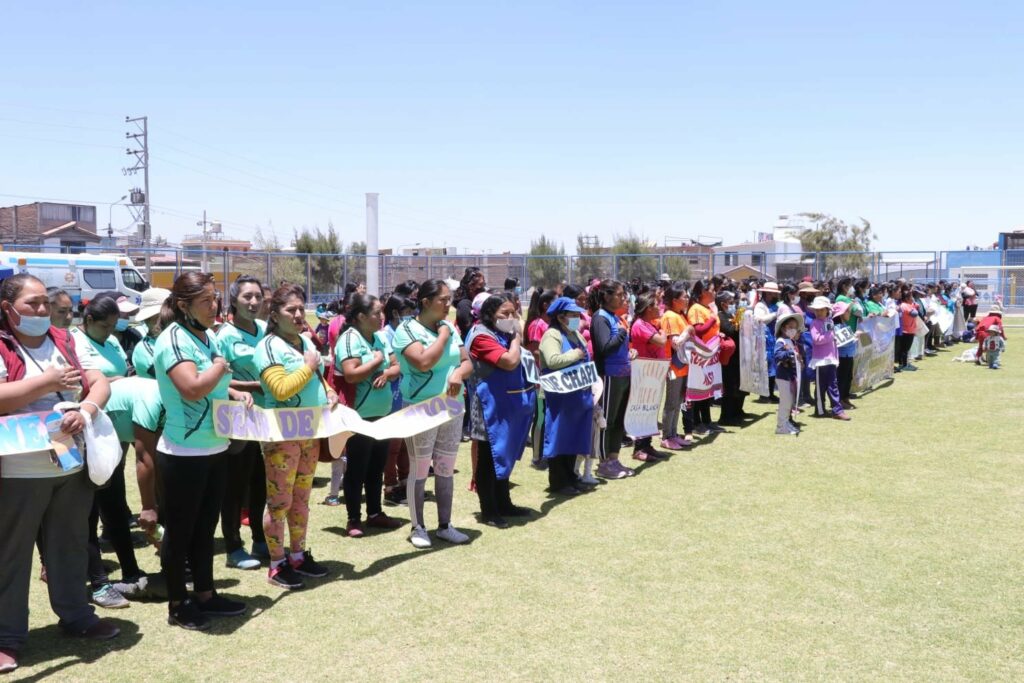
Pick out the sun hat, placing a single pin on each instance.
(664, 278)
(564, 304)
(798, 317)
(770, 288)
(839, 308)
(820, 302)
(152, 301)
(995, 310)
(806, 287)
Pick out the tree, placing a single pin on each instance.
(326, 265)
(546, 263)
(357, 262)
(830, 237)
(633, 259)
(281, 267)
(589, 264)
(677, 267)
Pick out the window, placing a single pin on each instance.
(755, 260)
(103, 280)
(731, 258)
(132, 280)
(72, 247)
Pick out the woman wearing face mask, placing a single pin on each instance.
(789, 302)
(706, 327)
(38, 370)
(472, 284)
(537, 323)
(149, 314)
(191, 373)
(765, 312)
(732, 397)
(98, 348)
(612, 355)
(433, 363)
(397, 310)
(246, 478)
(364, 358)
(291, 375)
(502, 405)
(127, 336)
(568, 417)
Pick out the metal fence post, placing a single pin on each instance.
(309, 279)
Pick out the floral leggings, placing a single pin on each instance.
(290, 467)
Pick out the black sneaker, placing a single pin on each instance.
(283, 576)
(495, 521)
(219, 606)
(188, 616)
(310, 567)
(395, 496)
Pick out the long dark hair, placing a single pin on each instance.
(358, 304)
(395, 305)
(278, 301)
(236, 289)
(428, 290)
(489, 308)
(101, 308)
(539, 303)
(600, 293)
(187, 288)
(698, 289)
(467, 279)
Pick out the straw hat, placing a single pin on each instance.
(798, 317)
(807, 287)
(770, 288)
(821, 302)
(152, 301)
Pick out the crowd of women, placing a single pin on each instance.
(157, 383)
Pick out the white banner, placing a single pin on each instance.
(844, 335)
(646, 389)
(570, 379)
(753, 356)
(943, 317)
(529, 366)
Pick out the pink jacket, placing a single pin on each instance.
(823, 344)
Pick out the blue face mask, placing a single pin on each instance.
(406, 318)
(573, 324)
(731, 309)
(33, 325)
(122, 325)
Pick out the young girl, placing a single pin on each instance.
(825, 359)
(788, 328)
(612, 355)
(706, 327)
(291, 375)
(676, 330)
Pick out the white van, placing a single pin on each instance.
(80, 275)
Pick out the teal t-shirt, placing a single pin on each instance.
(148, 411)
(125, 397)
(142, 357)
(188, 423)
(369, 402)
(274, 350)
(419, 386)
(108, 357)
(238, 347)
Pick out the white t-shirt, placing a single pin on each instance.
(36, 465)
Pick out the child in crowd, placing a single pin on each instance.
(825, 359)
(994, 345)
(787, 370)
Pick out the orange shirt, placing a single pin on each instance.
(673, 325)
(700, 314)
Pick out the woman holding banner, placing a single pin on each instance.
(246, 478)
(433, 363)
(610, 339)
(191, 373)
(291, 375)
(365, 360)
(705, 381)
(649, 343)
(537, 323)
(568, 417)
(502, 405)
(38, 370)
(765, 312)
(676, 330)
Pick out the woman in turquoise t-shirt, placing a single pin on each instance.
(95, 344)
(191, 373)
(246, 479)
(433, 363)
(364, 358)
(291, 374)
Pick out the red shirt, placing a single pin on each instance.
(486, 348)
(640, 339)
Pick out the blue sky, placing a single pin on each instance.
(485, 125)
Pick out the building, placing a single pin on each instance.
(778, 254)
(195, 245)
(65, 228)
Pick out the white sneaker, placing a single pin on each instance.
(419, 537)
(786, 432)
(452, 535)
(589, 480)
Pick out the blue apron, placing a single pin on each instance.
(617, 364)
(507, 400)
(569, 418)
(769, 339)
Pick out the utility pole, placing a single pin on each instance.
(139, 137)
(203, 223)
(372, 250)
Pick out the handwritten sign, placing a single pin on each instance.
(844, 335)
(646, 389)
(33, 432)
(753, 356)
(231, 419)
(570, 379)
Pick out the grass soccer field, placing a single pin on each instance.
(887, 548)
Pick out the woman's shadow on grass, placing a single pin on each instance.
(50, 643)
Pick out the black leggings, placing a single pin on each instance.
(246, 486)
(845, 377)
(561, 471)
(110, 505)
(970, 311)
(701, 412)
(903, 344)
(486, 479)
(365, 470)
(193, 493)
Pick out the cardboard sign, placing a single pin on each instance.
(570, 379)
(646, 389)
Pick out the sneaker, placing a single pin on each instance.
(354, 528)
(332, 501)
(284, 576)
(395, 496)
(8, 660)
(188, 616)
(589, 480)
(132, 587)
(219, 606)
(260, 551)
(671, 444)
(717, 429)
(495, 521)
(239, 559)
(909, 368)
(701, 430)
(841, 416)
(382, 521)
(785, 432)
(106, 596)
(608, 470)
(646, 454)
(307, 566)
(101, 629)
(568, 491)
(539, 464)
(452, 535)
(419, 538)
(622, 468)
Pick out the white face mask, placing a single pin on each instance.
(850, 292)
(791, 332)
(506, 325)
(794, 300)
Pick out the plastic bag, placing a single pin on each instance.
(102, 448)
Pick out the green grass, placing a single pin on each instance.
(889, 548)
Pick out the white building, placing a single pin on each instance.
(777, 254)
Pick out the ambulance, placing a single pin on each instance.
(82, 276)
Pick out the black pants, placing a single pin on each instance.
(903, 344)
(246, 486)
(845, 377)
(111, 506)
(365, 470)
(193, 492)
(486, 480)
(561, 471)
(970, 311)
(701, 412)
